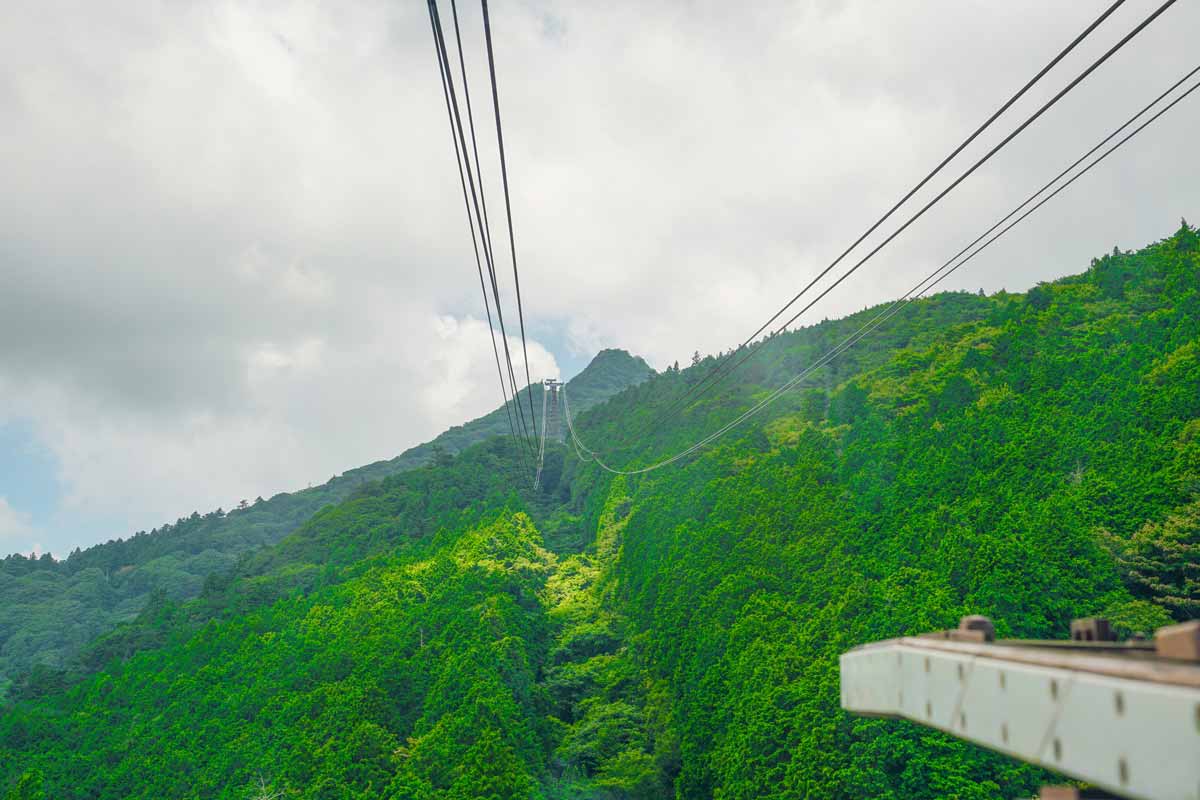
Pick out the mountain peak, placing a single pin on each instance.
(610, 371)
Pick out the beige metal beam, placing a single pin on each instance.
(1117, 716)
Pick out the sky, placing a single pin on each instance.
(233, 251)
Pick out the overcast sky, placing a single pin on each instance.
(233, 252)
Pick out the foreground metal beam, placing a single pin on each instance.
(1117, 716)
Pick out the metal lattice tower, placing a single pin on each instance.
(550, 424)
(553, 423)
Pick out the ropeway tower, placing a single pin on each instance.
(551, 423)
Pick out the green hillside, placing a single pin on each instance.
(446, 633)
(50, 610)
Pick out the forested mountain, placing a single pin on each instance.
(49, 610)
(446, 632)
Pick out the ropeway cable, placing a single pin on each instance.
(715, 373)
(909, 296)
(462, 155)
(870, 327)
(445, 58)
(512, 245)
(723, 370)
(865, 330)
(466, 177)
(443, 68)
(485, 228)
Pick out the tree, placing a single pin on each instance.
(1162, 561)
(1040, 297)
(262, 790)
(28, 787)
(491, 771)
(440, 458)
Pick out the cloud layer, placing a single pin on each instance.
(232, 246)
(16, 530)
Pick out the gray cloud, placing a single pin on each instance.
(14, 526)
(232, 251)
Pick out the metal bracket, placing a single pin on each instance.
(1180, 642)
(1092, 629)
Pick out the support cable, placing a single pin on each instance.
(443, 67)
(486, 229)
(937, 276)
(721, 371)
(526, 427)
(485, 224)
(457, 124)
(487, 33)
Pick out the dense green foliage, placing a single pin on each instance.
(260, 694)
(50, 610)
(447, 633)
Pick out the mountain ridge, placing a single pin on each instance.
(91, 591)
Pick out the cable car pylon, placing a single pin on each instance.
(551, 425)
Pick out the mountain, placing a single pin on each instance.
(447, 632)
(610, 372)
(49, 610)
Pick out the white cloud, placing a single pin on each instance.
(307, 412)
(466, 357)
(15, 525)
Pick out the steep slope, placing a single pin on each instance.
(49, 610)
(277, 681)
(992, 469)
(1032, 457)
